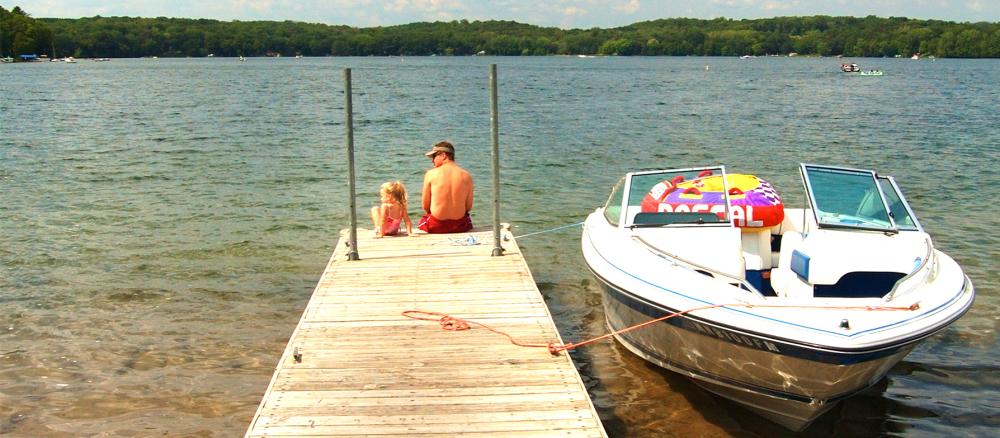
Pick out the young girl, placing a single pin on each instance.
(387, 218)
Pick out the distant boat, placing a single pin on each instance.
(6, 60)
(70, 60)
(242, 59)
(850, 68)
(915, 56)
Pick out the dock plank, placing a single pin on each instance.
(367, 370)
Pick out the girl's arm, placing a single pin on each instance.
(406, 218)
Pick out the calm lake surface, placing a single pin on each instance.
(163, 222)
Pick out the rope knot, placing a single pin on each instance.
(554, 349)
(453, 324)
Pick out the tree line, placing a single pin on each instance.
(20, 34)
(178, 37)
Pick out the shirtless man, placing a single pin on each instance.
(447, 193)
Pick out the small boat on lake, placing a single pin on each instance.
(850, 68)
(786, 311)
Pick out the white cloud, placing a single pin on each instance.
(628, 7)
(397, 6)
(425, 6)
(734, 2)
(256, 5)
(772, 5)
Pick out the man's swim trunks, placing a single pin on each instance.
(434, 225)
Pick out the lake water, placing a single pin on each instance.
(163, 222)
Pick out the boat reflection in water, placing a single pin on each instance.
(784, 310)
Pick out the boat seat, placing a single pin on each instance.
(784, 281)
(757, 249)
(793, 221)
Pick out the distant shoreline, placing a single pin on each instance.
(128, 37)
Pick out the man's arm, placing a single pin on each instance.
(468, 199)
(425, 194)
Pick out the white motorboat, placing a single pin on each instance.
(784, 310)
(850, 68)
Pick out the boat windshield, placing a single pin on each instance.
(650, 194)
(850, 198)
(613, 208)
(899, 209)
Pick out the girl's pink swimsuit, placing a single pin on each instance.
(390, 226)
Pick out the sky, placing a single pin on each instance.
(558, 13)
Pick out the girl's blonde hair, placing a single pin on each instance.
(395, 189)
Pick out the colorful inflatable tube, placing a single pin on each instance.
(755, 203)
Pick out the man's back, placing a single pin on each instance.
(447, 192)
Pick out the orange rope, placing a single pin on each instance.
(451, 323)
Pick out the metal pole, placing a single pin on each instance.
(495, 129)
(349, 123)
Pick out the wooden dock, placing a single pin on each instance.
(366, 370)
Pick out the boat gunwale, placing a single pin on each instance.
(880, 348)
(929, 331)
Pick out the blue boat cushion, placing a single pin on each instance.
(800, 265)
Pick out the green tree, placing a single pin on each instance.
(619, 46)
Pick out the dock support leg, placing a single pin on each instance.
(494, 129)
(349, 124)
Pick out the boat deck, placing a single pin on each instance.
(367, 370)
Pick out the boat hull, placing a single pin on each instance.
(787, 383)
